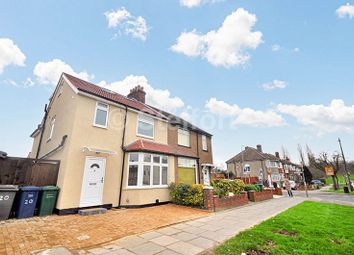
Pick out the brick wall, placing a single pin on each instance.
(278, 192)
(260, 196)
(215, 203)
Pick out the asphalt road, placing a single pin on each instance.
(320, 196)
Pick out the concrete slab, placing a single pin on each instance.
(168, 231)
(147, 249)
(185, 248)
(131, 241)
(150, 235)
(203, 243)
(185, 236)
(54, 251)
(164, 240)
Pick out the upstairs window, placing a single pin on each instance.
(204, 143)
(51, 129)
(145, 126)
(101, 115)
(184, 137)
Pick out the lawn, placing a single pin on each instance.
(308, 228)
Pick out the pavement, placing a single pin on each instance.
(196, 236)
(327, 197)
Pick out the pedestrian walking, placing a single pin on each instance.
(288, 188)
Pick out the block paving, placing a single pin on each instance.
(75, 232)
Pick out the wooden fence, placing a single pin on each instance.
(26, 171)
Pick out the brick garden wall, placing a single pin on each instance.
(260, 196)
(215, 203)
(278, 192)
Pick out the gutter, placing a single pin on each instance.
(60, 146)
(123, 161)
(42, 131)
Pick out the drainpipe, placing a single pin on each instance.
(42, 130)
(123, 161)
(198, 161)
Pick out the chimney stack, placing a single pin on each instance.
(277, 155)
(138, 94)
(259, 148)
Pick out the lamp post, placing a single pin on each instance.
(345, 165)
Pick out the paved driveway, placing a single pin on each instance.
(197, 236)
(77, 232)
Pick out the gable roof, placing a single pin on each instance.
(251, 154)
(149, 146)
(112, 96)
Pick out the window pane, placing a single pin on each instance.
(101, 117)
(204, 142)
(164, 175)
(133, 176)
(147, 158)
(156, 175)
(183, 137)
(146, 176)
(156, 159)
(186, 162)
(102, 105)
(133, 157)
(164, 160)
(145, 129)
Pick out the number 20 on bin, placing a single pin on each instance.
(28, 201)
(2, 198)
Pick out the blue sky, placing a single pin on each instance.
(302, 51)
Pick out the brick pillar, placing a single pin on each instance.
(209, 198)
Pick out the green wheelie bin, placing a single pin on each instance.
(48, 199)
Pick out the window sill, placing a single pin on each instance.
(146, 137)
(147, 187)
(185, 146)
(99, 126)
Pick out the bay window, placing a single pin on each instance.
(147, 170)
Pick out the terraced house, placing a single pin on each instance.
(116, 150)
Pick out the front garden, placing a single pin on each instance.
(222, 194)
(309, 228)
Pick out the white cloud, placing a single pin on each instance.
(24, 84)
(245, 116)
(196, 3)
(276, 47)
(296, 50)
(10, 54)
(159, 98)
(226, 46)
(276, 84)
(345, 11)
(126, 22)
(324, 119)
(48, 73)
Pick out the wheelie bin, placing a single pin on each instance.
(7, 197)
(27, 202)
(47, 200)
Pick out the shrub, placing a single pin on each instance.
(223, 187)
(185, 194)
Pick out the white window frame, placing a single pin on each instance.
(98, 107)
(189, 135)
(205, 143)
(140, 163)
(147, 120)
(51, 130)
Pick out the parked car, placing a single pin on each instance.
(316, 182)
(293, 185)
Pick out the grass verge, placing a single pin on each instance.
(308, 228)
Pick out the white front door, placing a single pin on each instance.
(93, 181)
(206, 176)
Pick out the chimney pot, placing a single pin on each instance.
(259, 148)
(277, 155)
(138, 94)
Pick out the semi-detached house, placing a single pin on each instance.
(117, 151)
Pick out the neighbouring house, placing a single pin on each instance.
(253, 165)
(117, 151)
(290, 170)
